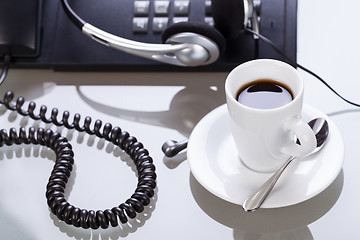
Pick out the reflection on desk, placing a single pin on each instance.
(268, 223)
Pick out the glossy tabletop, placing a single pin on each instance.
(156, 107)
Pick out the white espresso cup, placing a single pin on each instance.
(266, 133)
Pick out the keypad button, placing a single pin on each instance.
(159, 24)
(141, 8)
(140, 24)
(161, 7)
(209, 21)
(208, 7)
(181, 8)
(180, 19)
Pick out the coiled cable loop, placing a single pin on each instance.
(55, 189)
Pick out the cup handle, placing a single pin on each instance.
(305, 135)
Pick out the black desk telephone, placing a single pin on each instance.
(39, 34)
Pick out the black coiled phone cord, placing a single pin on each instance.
(55, 190)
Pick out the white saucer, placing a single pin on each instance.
(214, 163)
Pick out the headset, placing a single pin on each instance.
(194, 44)
(185, 43)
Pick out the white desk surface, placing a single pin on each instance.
(156, 107)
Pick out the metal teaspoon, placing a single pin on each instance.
(321, 129)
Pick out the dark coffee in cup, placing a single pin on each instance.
(264, 94)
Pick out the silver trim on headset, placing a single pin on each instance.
(183, 49)
(251, 15)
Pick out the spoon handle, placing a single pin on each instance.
(257, 198)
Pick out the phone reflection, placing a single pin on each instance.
(279, 223)
(190, 104)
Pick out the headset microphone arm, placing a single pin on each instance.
(183, 49)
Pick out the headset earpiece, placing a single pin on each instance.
(198, 28)
(229, 16)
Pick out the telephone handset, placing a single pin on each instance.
(20, 22)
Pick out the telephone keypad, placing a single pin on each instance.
(155, 15)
